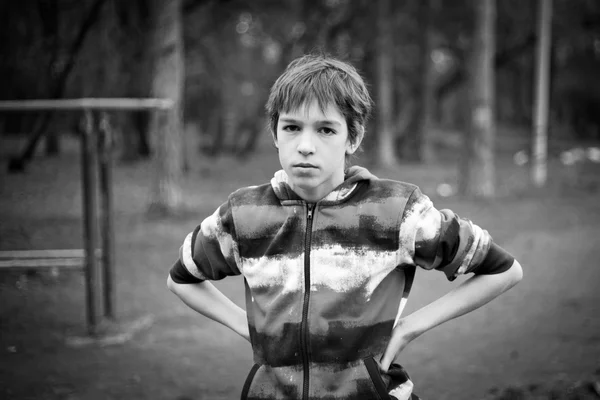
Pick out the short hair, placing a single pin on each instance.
(326, 80)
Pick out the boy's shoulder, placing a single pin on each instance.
(254, 195)
(391, 188)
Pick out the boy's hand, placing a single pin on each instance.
(468, 296)
(401, 336)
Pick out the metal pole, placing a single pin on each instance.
(107, 226)
(88, 167)
(539, 170)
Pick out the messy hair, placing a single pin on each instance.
(328, 81)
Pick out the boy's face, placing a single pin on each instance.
(312, 149)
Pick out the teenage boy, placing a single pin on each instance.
(328, 253)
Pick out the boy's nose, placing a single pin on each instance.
(306, 145)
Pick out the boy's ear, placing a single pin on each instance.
(352, 147)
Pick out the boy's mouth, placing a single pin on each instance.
(304, 165)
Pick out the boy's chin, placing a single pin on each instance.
(305, 182)
(302, 174)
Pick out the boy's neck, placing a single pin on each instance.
(314, 195)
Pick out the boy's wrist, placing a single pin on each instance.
(241, 327)
(409, 327)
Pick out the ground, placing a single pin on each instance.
(547, 329)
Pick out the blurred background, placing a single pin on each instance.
(470, 105)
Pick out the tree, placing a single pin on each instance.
(542, 98)
(135, 49)
(49, 18)
(386, 154)
(416, 145)
(427, 10)
(58, 85)
(168, 76)
(477, 175)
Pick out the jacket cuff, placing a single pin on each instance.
(496, 261)
(180, 274)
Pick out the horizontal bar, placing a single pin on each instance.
(86, 103)
(42, 263)
(33, 254)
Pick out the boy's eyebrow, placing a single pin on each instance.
(321, 122)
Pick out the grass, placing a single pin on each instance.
(547, 328)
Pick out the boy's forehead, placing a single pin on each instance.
(313, 109)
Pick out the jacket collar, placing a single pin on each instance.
(354, 175)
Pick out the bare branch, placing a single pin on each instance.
(89, 21)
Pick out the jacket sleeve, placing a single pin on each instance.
(210, 252)
(441, 240)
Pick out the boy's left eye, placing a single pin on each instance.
(327, 131)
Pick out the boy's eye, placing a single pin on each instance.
(327, 131)
(291, 128)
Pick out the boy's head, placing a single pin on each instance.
(327, 81)
(318, 108)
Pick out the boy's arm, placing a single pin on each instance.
(470, 295)
(210, 253)
(207, 300)
(441, 240)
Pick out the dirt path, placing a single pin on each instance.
(546, 328)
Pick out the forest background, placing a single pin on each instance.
(216, 59)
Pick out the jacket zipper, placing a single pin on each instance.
(304, 325)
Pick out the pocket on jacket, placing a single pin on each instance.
(392, 385)
(375, 374)
(248, 381)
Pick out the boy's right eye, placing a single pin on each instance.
(291, 128)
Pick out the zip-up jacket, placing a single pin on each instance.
(325, 283)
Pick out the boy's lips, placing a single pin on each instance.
(304, 165)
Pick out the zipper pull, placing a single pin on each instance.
(309, 213)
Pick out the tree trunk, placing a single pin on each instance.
(416, 146)
(539, 167)
(167, 42)
(141, 122)
(135, 136)
(386, 155)
(49, 15)
(477, 177)
(129, 143)
(136, 23)
(428, 9)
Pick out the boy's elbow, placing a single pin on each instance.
(171, 284)
(516, 273)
